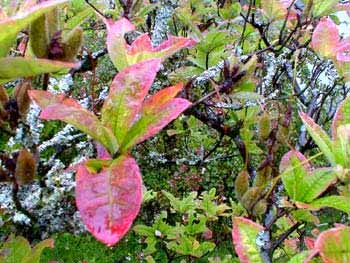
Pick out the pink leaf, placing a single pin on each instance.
(142, 46)
(343, 51)
(116, 44)
(110, 200)
(157, 111)
(244, 234)
(141, 49)
(70, 111)
(102, 153)
(127, 92)
(325, 38)
(309, 242)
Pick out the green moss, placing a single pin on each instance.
(76, 249)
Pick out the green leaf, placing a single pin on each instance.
(294, 174)
(127, 93)
(37, 251)
(16, 248)
(341, 116)
(10, 27)
(190, 246)
(323, 8)
(334, 245)
(301, 257)
(15, 67)
(57, 107)
(185, 205)
(304, 215)
(335, 201)
(78, 18)
(317, 183)
(244, 234)
(320, 137)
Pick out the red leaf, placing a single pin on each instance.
(157, 112)
(110, 200)
(127, 92)
(70, 111)
(309, 242)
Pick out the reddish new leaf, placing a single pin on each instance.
(70, 111)
(116, 44)
(157, 112)
(244, 234)
(142, 49)
(123, 55)
(110, 200)
(127, 93)
(325, 38)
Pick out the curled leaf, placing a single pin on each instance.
(25, 168)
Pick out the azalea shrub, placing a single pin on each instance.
(210, 131)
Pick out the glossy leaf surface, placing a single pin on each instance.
(15, 67)
(70, 111)
(110, 200)
(244, 234)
